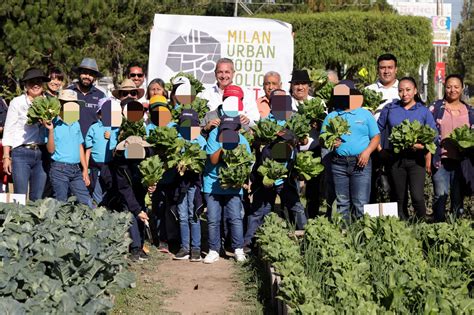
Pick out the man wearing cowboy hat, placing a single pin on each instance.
(299, 88)
(128, 89)
(86, 91)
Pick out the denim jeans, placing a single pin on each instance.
(27, 167)
(189, 223)
(264, 201)
(352, 185)
(65, 176)
(136, 231)
(231, 207)
(447, 177)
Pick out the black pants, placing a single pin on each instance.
(409, 171)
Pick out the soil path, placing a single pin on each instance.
(199, 288)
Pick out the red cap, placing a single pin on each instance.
(233, 90)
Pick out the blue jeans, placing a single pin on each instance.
(136, 231)
(264, 201)
(352, 185)
(230, 206)
(187, 218)
(447, 176)
(27, 167)
(65, 176)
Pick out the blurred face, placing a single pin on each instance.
(407, 92)
(300, 90)
(387, 71)
(156, 89)
(86, 78)
(453, 90)
(34, 87)
(224, 75)
(271, 83)
(137, 76)
(55, 85)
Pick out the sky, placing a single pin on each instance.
(456, 11)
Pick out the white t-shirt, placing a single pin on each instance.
(389, 94)
(295, 103)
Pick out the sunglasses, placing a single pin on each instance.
(127, 93)
(132, 75)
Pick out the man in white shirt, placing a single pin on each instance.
(224, 75)
(387, 82)
(300, 83)
(136, 73)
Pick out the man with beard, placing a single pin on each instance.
(87, 92)
(135, 72)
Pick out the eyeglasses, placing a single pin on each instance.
(132, 75)
(127, 93)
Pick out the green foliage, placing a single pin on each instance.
(335, 129)
(372, 100)
(407, 134)
(165, 140)
(43, 108)
(189, 158)
(152, 169)
(238, 164)
(463, 136)
(271, 171)
(300, 125)
(265, 131)
(313, 109)
(196, 85)
(61, 258)
(199, 105)
(308, 166)
(131, 128)
(356, 39)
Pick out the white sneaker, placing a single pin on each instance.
(239, 255)
(211, 257)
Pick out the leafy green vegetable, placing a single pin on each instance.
(189, 158)
(165, 140)
(407, 134)
(335, 129)
(152, 169)
(195, 83)
(313, 109)
(300, 125)
(372, 99)
(238, 164)
(307, 165)
(131, 128)
(325, 91)
(318, 76)
(272, 170)
(43, 108)
(199, 105)
(265, 131)
(463, 136)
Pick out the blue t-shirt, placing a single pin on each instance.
(362, 127)
(102, 148)
(278, 121)
(394, 114)
(211, 172)
(67, 139)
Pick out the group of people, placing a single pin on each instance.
(83, 157)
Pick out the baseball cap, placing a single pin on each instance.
(230, 123)
(189, 115)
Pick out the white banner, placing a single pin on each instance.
(193, 44)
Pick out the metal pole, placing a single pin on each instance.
(236, 6)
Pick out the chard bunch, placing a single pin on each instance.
(372, 100)
(463, 136)
(190, 157)
(152, 170)
(335, 129)
(272, 170)
(165, 141)
(131, 128)
(265, 131)
(407, 134)
(195, 83)
(313, 109)
(300, 125)
(43, 108)
(307, 165)
(199, 105)
(238, 164)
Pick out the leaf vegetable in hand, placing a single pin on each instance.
(195, 83)
(463, 136)
(265, 131)
(190, 158)
(131, 128)
(43, 108)
(238, 164)
(372, 100)
(407, 134)
(271, 171)
(299, 125)
(165, 140)
(313, 109)
(335, 129)
(307, 165)
(152, 169)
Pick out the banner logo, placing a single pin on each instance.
(196, 53)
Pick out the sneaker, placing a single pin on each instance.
(211, 257)
(142, 255)
(239, 255)
(183, 254)
(195, 254)
(137, 255)
(247, 250)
